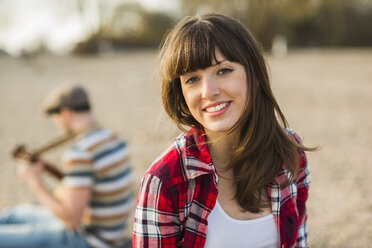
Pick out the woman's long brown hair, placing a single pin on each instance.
(261, 146)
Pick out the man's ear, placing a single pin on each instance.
(66, 114)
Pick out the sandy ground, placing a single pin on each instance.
(325, 94)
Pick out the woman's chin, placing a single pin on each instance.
(217, 129)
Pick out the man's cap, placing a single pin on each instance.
(72, 97)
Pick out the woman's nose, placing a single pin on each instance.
(210, 88)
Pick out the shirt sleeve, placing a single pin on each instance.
(303, 183)
(78, 169)
(156, 222)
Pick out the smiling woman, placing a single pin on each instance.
(239, 169)
(217, 95)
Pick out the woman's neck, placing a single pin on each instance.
(220, 147)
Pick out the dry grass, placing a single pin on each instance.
(325, 94)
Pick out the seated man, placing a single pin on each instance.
(94, 198)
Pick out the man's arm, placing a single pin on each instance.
(69, 206)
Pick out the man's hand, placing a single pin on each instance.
(30, 173)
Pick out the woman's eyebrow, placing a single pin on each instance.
(219, 62)
(212, 65)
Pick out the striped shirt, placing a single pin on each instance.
(99, 160)
(179, 191)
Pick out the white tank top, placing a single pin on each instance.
(226, 232)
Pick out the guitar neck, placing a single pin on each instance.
(53, 171)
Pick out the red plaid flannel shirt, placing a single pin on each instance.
(178, 192)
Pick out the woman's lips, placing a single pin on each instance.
(216, 109)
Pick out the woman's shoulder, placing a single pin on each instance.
(187, 158)
(303, 164)
(290, 132)
(168, 166)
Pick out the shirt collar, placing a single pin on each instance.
(197, 160)
(195, 154)
(85, 132)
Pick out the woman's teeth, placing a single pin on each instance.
(216, 108)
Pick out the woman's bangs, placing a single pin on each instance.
(196, 50)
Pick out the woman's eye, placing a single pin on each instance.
(224, 71)
(192, 80)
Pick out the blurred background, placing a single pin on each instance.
(320, 60)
